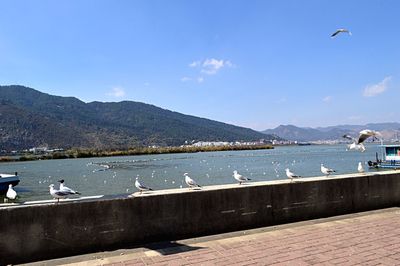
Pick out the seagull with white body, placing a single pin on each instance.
(340, 31)
(190, 182)
(360, 168)
(140, 187)
(326, 171)
(66, 189)
(11, 193)
(291, 175)
(58, 194)
(239, 177)
(358, 143)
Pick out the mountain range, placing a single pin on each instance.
(390, 131)
(30, 118)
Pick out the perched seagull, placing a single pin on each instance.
(360, 168)
(290, 175)
(326, 171)
(190, 182)
(66, 189)
(358, 143)
(140, 186)
(58, 194)
(239, 177)
(340, 31)
(11, 194)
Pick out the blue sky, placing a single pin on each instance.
(256, 64)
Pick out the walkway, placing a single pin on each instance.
(370, 238)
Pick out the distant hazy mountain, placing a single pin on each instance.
(29, 118)
(290, 132)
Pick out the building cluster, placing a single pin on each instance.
(226, 143)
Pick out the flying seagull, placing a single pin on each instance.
(239, 177)
(11, 194)
(140, 186)
(190, 182)
(340, 31)
(358, 143)
(326, 171)
(291, 175)
(66, 189)
(360, 168)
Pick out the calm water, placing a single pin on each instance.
(91, 177)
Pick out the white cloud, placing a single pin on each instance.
(185, 79)
(195, 64)
(376, 89)
(200, 79)
(327, 99)
(211, 66)
(117, 92)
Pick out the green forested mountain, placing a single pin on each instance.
(29, 118)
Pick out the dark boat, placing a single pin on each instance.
(6, 179)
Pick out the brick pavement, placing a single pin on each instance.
(371, 238)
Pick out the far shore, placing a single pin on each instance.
(90, 153)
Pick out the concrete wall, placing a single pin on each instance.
(30, 233)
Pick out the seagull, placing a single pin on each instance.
(239, 177)
(140, 186)
(360, 168)
(340, 31)
(291, 175)
(326, 171)
(363, 135)
(58, 194)
(11, 194)
(67, 189)
(190, 182)
(366, 133)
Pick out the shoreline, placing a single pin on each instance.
(91, 153)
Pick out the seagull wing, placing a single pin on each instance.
(335, 33)
(348, 137)
(66, 189)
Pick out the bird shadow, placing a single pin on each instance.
(170, 247)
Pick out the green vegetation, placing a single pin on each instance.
(30, 119)
(88, 153)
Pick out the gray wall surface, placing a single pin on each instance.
(49, 230)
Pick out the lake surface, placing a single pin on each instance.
(91, 176)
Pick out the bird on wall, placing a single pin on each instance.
(11, 193)
(66, 189)
(58, 194)
(190, 182)
(141, 187)
(326, 171)
(239, 177)
(360, 168)
(291, 175)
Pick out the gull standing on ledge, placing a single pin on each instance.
(66, 189)
(140, 187)
(11, 194)
(291, 175)
(340, 31)
(58, 194)
(190, 182)
(360, 168)
(326, 171)
(239, 177)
